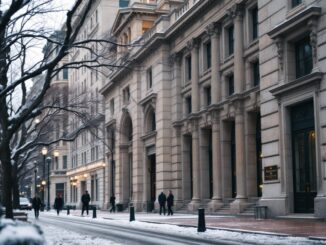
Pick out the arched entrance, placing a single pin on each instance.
(126, 165)
(150, 158)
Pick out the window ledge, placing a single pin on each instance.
(110, 123)
(148, 135)
(150, 98)
(310, 79)
(228, 58)
(295, 21)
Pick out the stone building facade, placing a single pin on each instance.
(292, 64)
(87, 168)
(219, 101)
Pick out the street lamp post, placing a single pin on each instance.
(35, 178)
(44, 153)
(48, 159)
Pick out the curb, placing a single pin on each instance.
(314, 238)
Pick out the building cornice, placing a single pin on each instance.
(295, 21)
(86, 168)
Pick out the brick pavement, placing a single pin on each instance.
(305, 227)
(293, 227)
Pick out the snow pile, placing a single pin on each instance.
(58, 235)
(16, 233)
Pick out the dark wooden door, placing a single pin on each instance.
(304, 158)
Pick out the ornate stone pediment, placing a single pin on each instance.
(149, 100)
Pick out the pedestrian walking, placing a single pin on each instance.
(86, 198)
(162, 201)
(36, 205)
(58, 203)
(112, 202)
(169, 201)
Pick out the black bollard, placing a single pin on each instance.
(201, 220)
(132, 213)
(68, 210)
(94, 212)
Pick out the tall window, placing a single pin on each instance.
(208, 50)
(254, 19)
(65, 73)
(112, 107)
(303, 57)
(149, 78)
(123, 3)
(151, 121)
(230, 32)
(188, 104)
(296, 3)
(255, 73)
(94, 188)
(56, 160)
(64, 162)
(188, 68)
(231, 84)
(208, 96)
(126, 95)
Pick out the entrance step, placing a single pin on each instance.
(299, 216)
(225, 209)
(183, 209)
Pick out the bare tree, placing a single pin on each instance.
(20, 34)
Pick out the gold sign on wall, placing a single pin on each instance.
(270, 173)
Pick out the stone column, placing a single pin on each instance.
(214, 32)
(216, 202)
(175, 62)
(239, 76)
(195, 165)
(124, 175)
(240, 203)
(193, 45)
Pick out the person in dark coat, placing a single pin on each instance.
(112, 202)
(170, 200)
(162, 201)
(36, 205)
(58, 203)
(86, 198)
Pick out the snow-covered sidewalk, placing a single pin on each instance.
(55, 235)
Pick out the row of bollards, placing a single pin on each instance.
(201, 217)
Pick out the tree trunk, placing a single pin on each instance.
(7, 182)
(15, 187)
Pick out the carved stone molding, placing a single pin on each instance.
(236, 11)
(215, 116)
(312, 24)
(193, 43)
(280, 52)
(213, 29)
(238, 106)
(175, 58)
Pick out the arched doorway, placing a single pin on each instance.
(150, 158)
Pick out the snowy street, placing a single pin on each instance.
(116, 229)
(112, 232)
